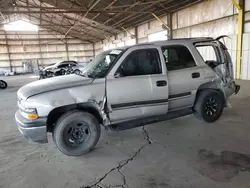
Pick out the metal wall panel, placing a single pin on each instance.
(247, 5)
(203, 12)
(245, 66)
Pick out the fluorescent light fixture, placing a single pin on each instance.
(20, 25)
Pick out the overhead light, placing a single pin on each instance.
(20, 25)
(13, 2)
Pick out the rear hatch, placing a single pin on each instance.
(216, 56)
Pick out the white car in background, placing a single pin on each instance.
(64, 65)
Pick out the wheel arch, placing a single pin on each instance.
(89, 107)
(210, 85)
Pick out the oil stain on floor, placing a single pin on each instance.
(222, 167)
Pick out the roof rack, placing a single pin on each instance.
(193, 38)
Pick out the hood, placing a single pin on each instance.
(49, 67)
(50, 84)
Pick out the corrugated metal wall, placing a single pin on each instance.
(210, 18)
(41, 49)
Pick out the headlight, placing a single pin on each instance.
(29, 113)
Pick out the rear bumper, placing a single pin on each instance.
(34, 130)
(231, 89)
(237, 89)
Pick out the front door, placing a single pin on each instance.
(139, 88)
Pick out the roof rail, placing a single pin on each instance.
(192, 38)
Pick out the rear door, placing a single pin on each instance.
(184, 75)
(139, 86)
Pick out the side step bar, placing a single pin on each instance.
(149, 120)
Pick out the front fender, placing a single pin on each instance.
(46, 102)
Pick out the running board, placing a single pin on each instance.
(149, 120)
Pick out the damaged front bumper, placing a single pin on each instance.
(34, 130)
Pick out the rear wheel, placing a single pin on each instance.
(3, 84)
(209, 105)
(76, 133)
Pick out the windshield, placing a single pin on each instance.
(100, 65)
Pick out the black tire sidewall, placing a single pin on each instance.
(87, 145)
(4, 83)
(199, 107)
(77, 71)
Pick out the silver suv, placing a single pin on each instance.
(128, 87)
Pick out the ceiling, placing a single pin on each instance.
(88, 20)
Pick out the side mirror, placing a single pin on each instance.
(90, 60)
(119, 73)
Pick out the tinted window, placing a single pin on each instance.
(178, 57)
(142, 62)
(63, 65)
(73, 65)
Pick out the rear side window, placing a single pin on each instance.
(207, 53)
(178, 57)
(63, 65)
(142, 62)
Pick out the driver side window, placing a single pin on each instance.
(141, 62)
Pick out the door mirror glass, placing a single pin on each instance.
(118, 75)
(120, 72)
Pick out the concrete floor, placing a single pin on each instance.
(179, 153)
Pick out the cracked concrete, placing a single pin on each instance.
(121, 165)
(161, 155)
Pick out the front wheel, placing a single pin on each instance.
(76, 133)
(77, 72)
(3, 84)
(209, 105)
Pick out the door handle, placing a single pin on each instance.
(196, 75)
(161, 83)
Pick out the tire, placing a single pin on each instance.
(76, 133)
(3, 84)
(77, 72)
(209, 105)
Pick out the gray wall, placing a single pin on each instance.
(45, 48)
(210, 18)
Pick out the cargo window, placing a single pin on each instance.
(207, 53)
(178, 57)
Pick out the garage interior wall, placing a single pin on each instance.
(209, 18)
(39, 48)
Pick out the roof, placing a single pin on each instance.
(177, 41)
(88, 20)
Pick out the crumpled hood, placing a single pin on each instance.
(50, 84)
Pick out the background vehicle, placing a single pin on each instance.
(3, 84)
(61, 68)
(65, 64)
(125, 88)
